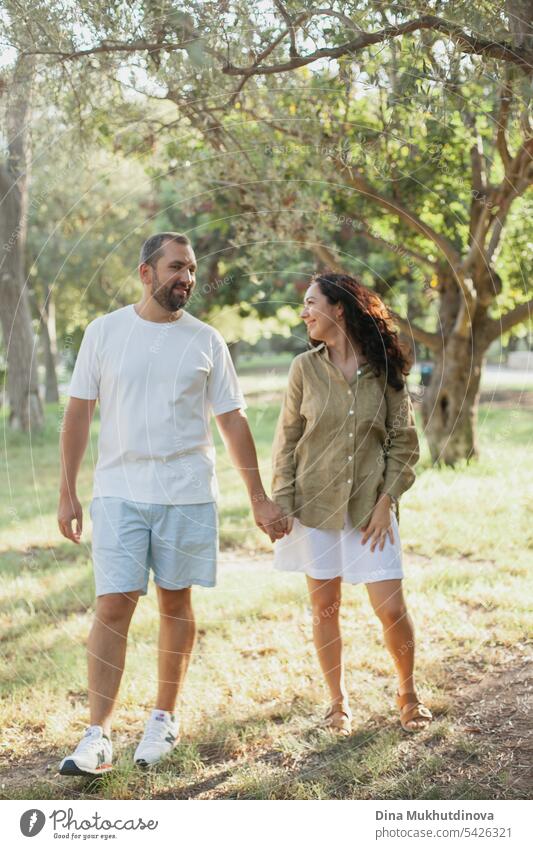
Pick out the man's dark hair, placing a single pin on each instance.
(151, 251)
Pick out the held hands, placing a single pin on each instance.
(269, 517)
(379, 526)
(70, 509)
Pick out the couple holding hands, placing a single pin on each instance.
(344, 451)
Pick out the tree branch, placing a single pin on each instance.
(467, 44)
(518, 177)
(290, 30)
(332, 13)
(479, 177)
(506, 97)
(431, 340)
(463, 323)
(501, 325)
(141, 45)
(358, 182)
(399, 250)
(293, 51)
(328, 257)
(479, 190)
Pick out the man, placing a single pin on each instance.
(158, 374)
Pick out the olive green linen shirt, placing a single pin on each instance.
(339, 445)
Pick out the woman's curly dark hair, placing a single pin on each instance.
(369, 323)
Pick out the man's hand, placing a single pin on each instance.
(70, 509)
(269, 517)
(379, 526)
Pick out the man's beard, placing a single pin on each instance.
(168, 297)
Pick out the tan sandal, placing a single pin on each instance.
(412, 708)
(338, 719)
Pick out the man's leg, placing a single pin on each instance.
(106, 652)
(177, 632)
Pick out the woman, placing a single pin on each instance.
(344, 452)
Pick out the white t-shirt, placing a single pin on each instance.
(157, 385)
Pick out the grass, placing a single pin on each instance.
(254, 692)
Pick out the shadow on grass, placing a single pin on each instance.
(75, 597)
(24, 643)
(241, 760)
(177, 777)
(36, 560)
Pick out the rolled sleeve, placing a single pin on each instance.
(402, 446)
(289, 430)
(85, 380)
(223, 390)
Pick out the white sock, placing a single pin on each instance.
(166, 714)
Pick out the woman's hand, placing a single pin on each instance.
(379, 526)
(268, 516)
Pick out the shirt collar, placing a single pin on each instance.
(323, 351)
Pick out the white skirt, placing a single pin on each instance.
(326, 554)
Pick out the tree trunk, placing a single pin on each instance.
(234, 350)
(520, 15)
(26, 412)
(49, 345)
(450, 402)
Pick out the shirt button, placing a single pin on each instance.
(349, 480)
(358, 371)
(350, 434)
(349, 391)
(351, 412)
(350, 457)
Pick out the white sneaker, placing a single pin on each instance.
(92, 756)
(160, 736)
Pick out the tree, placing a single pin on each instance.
(220, 64)
(464, 251)
(25, 405)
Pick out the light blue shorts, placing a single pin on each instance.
(178, 541)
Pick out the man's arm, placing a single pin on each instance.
(72, 445)
(235, 432)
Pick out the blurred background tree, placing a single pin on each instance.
(386, 141)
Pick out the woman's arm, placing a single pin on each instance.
(402, 449)
(401, 455)
(288, 432)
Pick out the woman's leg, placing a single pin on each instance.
(325, 603)
(388, 602)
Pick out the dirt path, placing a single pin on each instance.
(498, 711)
